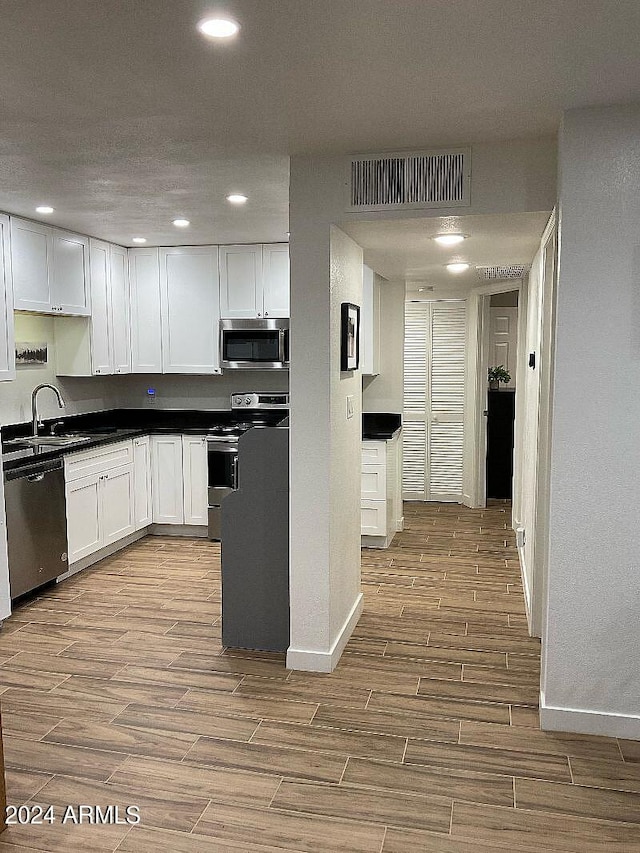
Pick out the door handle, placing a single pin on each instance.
(35, 478)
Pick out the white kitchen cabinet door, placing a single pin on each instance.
(190, 309)
(70, 277)
(7, 348)
(194, 471)
(146, 326)
(101, 362)
(241, 285)
(275, 267)
(142, 509)
(166, 479)
(84, 532)
(117, 504)
(373, 518)
(31, 258)
(120, 325)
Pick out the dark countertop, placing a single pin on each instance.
(380, 426)
(119, 424)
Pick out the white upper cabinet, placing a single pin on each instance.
(240, 282)
(275, 266)
(7, 351)
(31, 256)
(120, 325)
(99, 345)
(50, 269)
(190, 309)
(100, 325)
(70, 280)
(254, 281)
(145, 325)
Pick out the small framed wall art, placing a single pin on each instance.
(350, 337)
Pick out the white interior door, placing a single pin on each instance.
(434, 388)
(503, 346)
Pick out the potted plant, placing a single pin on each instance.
(497, 375)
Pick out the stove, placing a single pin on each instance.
(222, 447)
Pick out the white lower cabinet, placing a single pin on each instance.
(381, 494)
(166, 478)
(194, 479)
(142, 488)
(100, 503)
(179, 479)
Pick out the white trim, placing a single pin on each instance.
(314, 660)
(525, 585)
(588, 722)
(190, 531)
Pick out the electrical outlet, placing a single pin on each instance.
(350, 406)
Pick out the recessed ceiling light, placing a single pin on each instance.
(139, 239)
(449, 239)
(218, 28)
(457, 267)
(181, 223)
(237, 198)
(44, 208)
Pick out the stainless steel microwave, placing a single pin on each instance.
(254, 344)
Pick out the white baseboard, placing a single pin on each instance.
(525, 586)
(588, 722)
(315, 660)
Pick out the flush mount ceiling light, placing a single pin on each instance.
(139, 239)
(44, 208)
(181, 223)
(457, 267)
(237, 198)
(218, 28)
(449, 239)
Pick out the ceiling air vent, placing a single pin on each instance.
(501, 273)
(410, 181)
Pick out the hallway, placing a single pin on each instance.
(115, 690)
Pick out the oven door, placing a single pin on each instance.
(222, 479)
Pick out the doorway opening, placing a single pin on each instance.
(501, 395)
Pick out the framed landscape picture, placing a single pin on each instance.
(350, 337)
(31, 355)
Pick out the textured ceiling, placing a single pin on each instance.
(121, 116)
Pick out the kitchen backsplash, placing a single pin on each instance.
(109, 392)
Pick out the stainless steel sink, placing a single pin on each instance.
(51, 440)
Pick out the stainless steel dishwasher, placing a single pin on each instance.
(36, 524)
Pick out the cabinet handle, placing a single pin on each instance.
(266, 313)
(259, 315)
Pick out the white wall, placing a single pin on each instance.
(383, 393)
(512, 177)
(592, 638)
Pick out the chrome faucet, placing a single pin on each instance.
(34, 407)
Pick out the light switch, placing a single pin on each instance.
(350, 406)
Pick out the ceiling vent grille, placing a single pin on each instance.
(505, 272)
(410, 180)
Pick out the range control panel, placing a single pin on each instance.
(265, 400)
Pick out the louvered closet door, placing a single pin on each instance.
(434, 372)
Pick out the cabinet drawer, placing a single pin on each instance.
(374, 482)
(97, 460)
(373, 518)
(374, 452)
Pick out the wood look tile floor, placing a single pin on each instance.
(115, 690)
